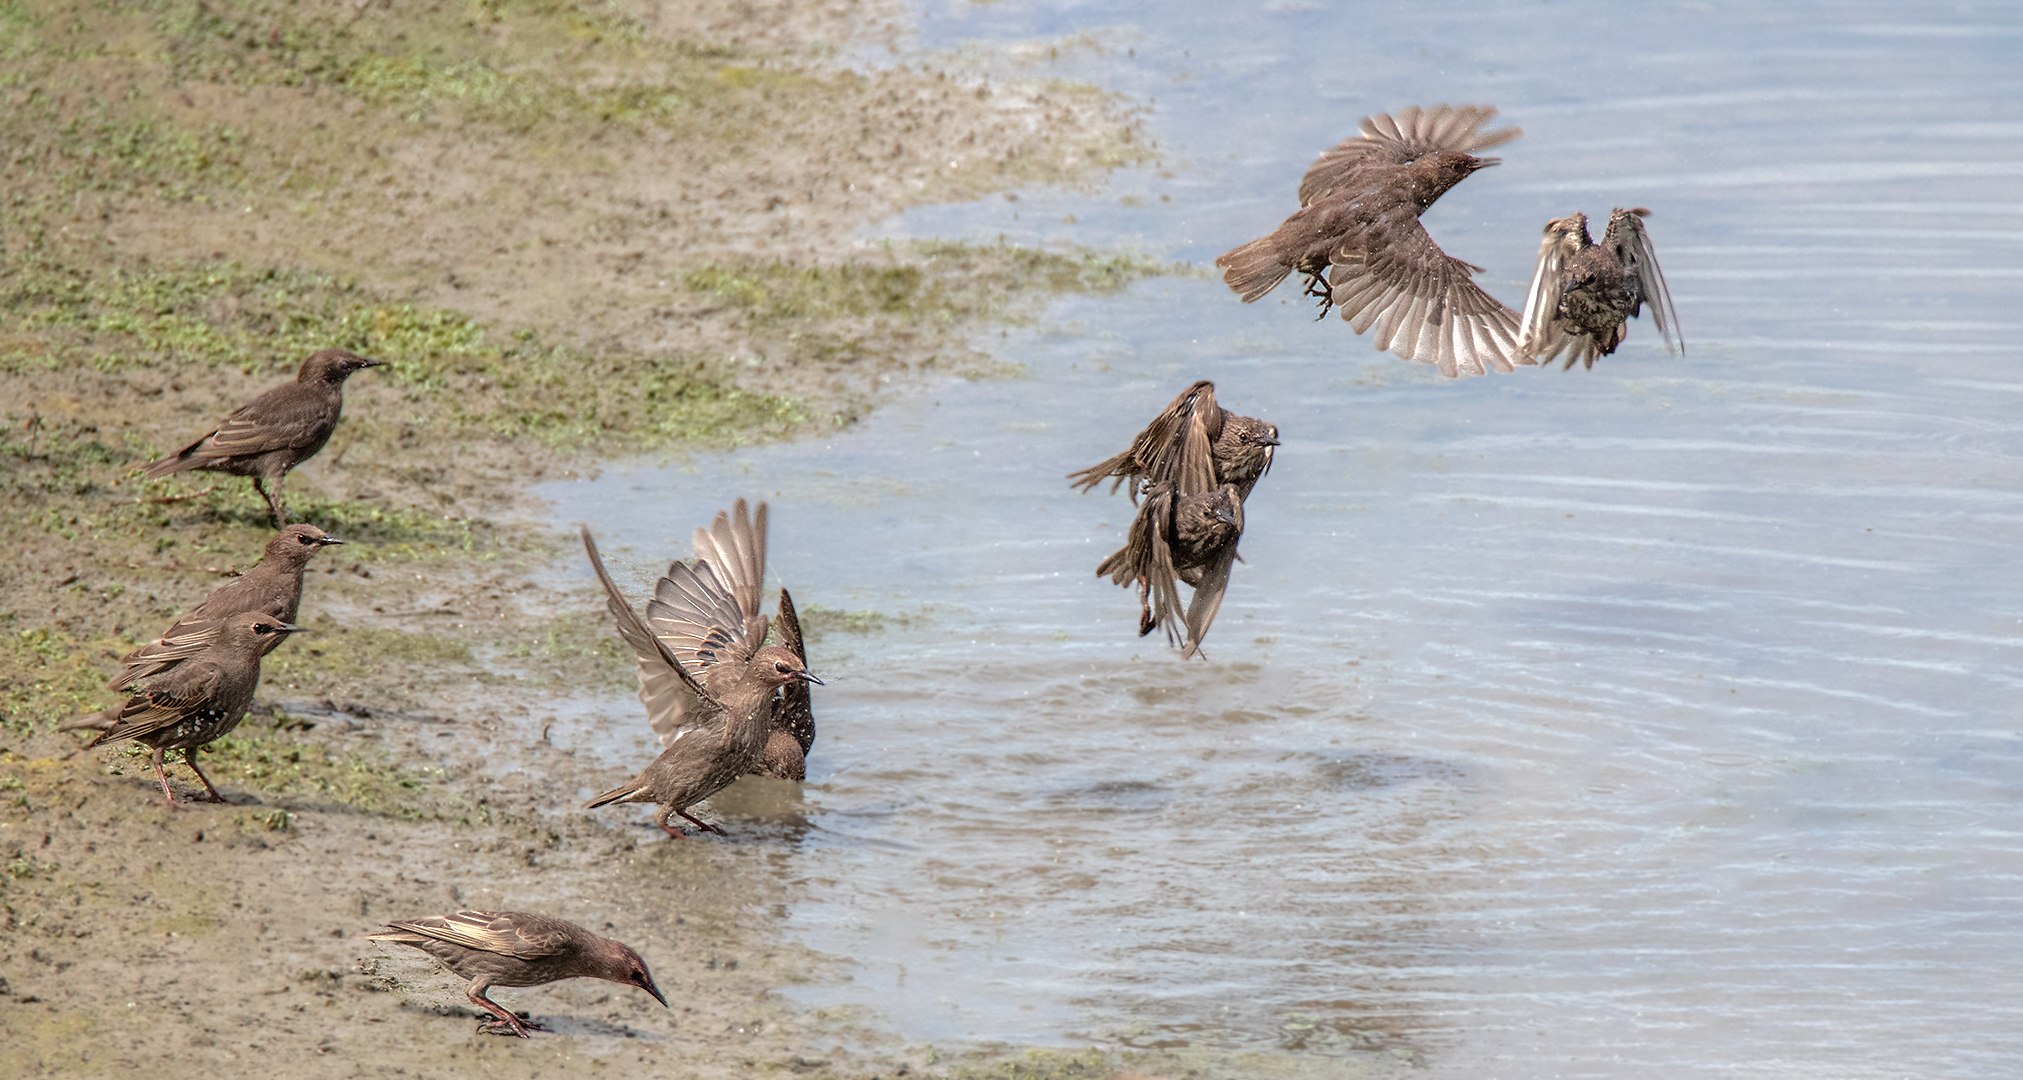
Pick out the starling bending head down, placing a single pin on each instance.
(1583, 294)
(1194, 446)
(274, 432)
(1357, 239)
(513, 948)
(714, 692)
(202, 698)
(1190, 538)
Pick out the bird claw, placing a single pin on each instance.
(518, 1027)
(1317, 287)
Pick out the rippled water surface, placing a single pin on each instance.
(1658, 720)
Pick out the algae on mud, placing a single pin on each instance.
(577, 230)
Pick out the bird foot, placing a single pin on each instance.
(517, 1027)
(674, 832)
(1318, 287)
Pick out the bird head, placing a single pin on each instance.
(334, 366)
(1246, 447)
(296, 543)
(255, 629)
(779, 666)
(1433, 174)
(626, 967)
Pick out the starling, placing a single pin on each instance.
(276, 431)
(709, 682)
(1195, 445)
(1358, 241)
(1583, 294)
(792, 732)
(1189, 537)
(202, 698)
(513, 948)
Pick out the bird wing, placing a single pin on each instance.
(1156, 558)
(1394, 139)
(1423, 302)
(1207, 599)
(1177, 447)
(167, 701)
(185, 639)
(508, 933)
(707, 612)
(797, 707)
(287, 416)
(1537, 340)
(1633, 249)
(674, 701)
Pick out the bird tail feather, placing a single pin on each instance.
(1253, 269)
(622, 793)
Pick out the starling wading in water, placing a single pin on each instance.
(1357, 239)
(1195, 445)
(513, 948)
(1191, 538)
(710, 684)
(200, 699)
(273, 586)
(274, 432)
(1583, 294)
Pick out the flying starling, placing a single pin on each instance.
(1358, 241)
(1191, 538)
(513, 948)
(202, 698)
(709, 682)
(1194, 446)
(1583, 294)
(274, 432)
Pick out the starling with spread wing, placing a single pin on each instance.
(202, 698)
(1194, 446)
(1583, 294)
(1357, 239)
(1191, 538)
(275, 432)
(710, 684)
(514, 948)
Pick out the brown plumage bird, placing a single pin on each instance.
(513, 948)
(1357, 239)
(791, 734)
(1190, 538)
(1195, 446)
(273, 586)
(709, 682)
(274, 432)
(1583, 294)
(202, 698)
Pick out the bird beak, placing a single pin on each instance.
(1484, 162)
(809, 676)
(655, 991)
(367, 361)
(291, 628)
(1225, 516)
(327, 541)
(1267, 441)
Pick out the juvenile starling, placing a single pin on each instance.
(1583, 294)
(200, 699)
(1195, 446)
(276, 431)
(792, 731)
(1357, 239)
(709, 682)
(513, 948)
(1189, 537)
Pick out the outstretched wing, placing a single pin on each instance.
(1423, 302)
(797, 708)
(1537, 340)
(508, 933)
(1393, 139)
(707, 612)
(1177, 447)
(1632, 248)
(675, 702)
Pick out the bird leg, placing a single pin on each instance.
(163, 775)
(190, 759)
(703, 825)
(273, 501)
(1145, 623)
(506, 1018)
(1318, 287)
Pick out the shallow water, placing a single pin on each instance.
(1655, 720)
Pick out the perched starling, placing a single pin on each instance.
(202, 698)
(513, 948)
(709, 682)
(1194, 446)
(276, 431)
(1189, 537)
(1357, 239)
(1583, 294)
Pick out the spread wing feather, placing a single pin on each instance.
(674, 701)
(1634, 251)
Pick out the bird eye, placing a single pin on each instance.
(782, 668)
